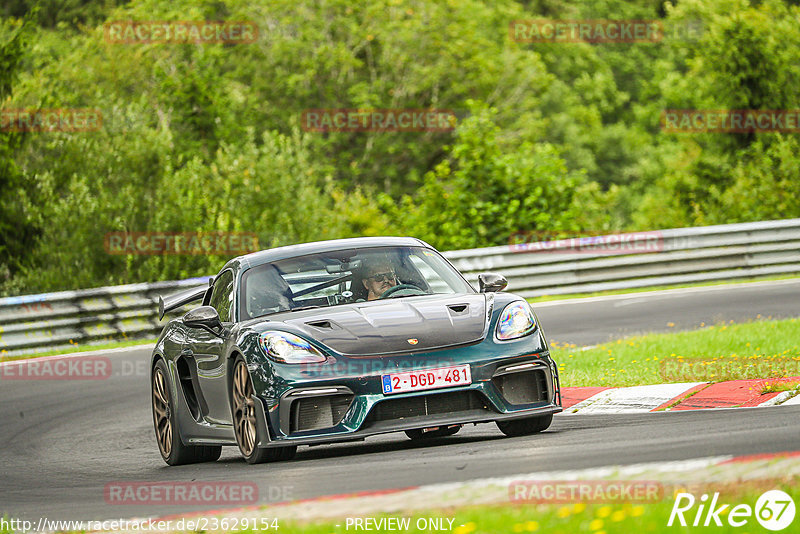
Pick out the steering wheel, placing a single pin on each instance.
(400, 287)
(261, 304)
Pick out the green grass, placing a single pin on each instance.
(777, 387)
(616, 517)
(761, 349)
(573, 518)
(725, 351)
(79, 347)
(547, 298)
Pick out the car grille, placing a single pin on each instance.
(523, 387)
(440, 403)
(319, 412)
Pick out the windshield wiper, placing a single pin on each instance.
(390, 297)
(307, 307)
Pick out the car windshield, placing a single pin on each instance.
(347, 276)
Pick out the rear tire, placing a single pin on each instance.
(286, 453)
(244, 420)
(525, 427)
(165, 424)
(418, 434)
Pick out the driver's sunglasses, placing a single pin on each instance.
(380, 277)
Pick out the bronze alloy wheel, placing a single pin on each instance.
(244, 418)
(441, 432)
(161, 413)
(526, 426)
(165, 423)
(243, 404)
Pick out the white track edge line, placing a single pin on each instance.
(97, 352)
(667, 292)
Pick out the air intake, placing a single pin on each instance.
(524, 387)
(315, 413)
(436, 404)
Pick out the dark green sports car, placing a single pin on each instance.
(339, 340)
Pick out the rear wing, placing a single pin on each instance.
(177, 300)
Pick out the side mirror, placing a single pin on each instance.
(205, 317)
(492, 282)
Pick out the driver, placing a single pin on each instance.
(379, 277)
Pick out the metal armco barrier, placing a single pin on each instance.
(676, 256)
(33, 323)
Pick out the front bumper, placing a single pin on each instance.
(509, 381)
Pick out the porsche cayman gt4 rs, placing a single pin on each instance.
(340, 340)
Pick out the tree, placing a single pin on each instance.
(485, 192)
(17, 233)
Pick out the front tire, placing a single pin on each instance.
(165, 423)
(442, 432)
(244, 420)
(525, 427)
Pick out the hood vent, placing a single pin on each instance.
(323, 324)
(384, 327)
(458, 309)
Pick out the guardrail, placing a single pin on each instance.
(33, 323)
(681, 255)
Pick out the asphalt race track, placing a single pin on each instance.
(595, 320)
(63, 441)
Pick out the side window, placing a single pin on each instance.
(222, 296)
(436, 283)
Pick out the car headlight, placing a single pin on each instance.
(284, 347)
(516, 320)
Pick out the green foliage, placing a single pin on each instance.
(485, 192)
(762, 349)
(766, 183)
(744, 60)
(267, 185)
(551, 136)
(49, 13)
(16, 232)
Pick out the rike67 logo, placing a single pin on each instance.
(774, 510)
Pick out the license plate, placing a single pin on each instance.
(443, 377)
